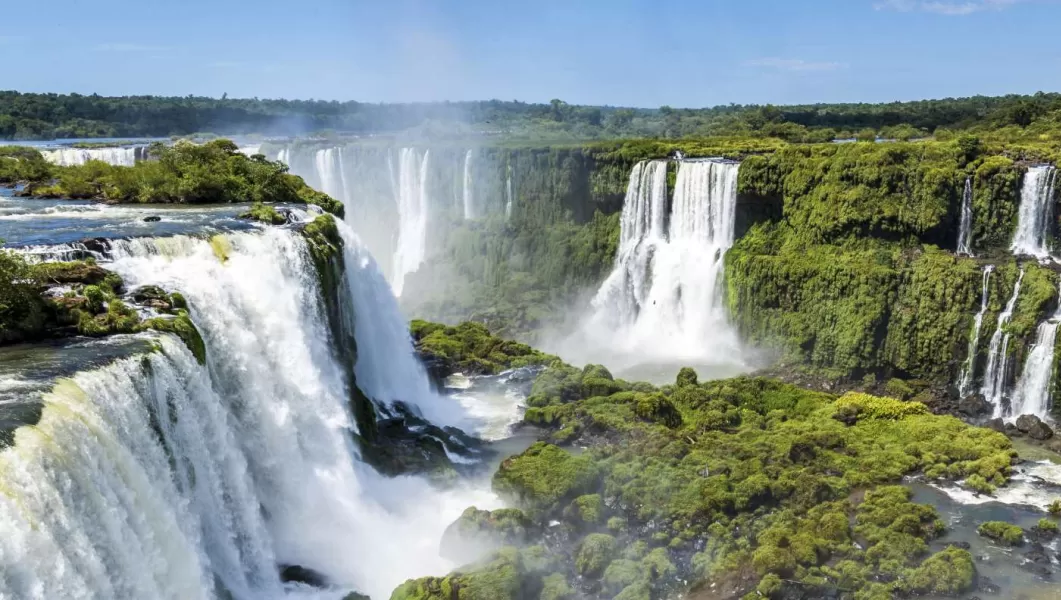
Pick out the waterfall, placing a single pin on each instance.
(65, 157)
(664, 296)
(508, 192)
(412, 200)
(328, 170)
(1032, 394)
(469, 195)
(966, 380)
(157, 477)
(995, 374)
(965, 226)
(1036, 211)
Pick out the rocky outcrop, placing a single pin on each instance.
(1034, 427)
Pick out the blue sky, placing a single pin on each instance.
(683, 53)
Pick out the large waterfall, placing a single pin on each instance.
(663, 301)
(995, 373)
(968, 372)
(413, 207)
(1035, 216)
(124, 157)
(1032, 394)
(965, 225)
(163, 478)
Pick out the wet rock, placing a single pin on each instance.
(152, 219)
(985, 585)
(997, 424)
(1012, 431)
(1037, 569)
(1038, 430)
(961, 545)
(974, 405)
(1037, 554)
(1024, 423)
(300, 574)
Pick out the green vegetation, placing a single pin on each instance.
(185, 173)
(264, 214)
(1002, 532)
(470, 348)
(747, 483)
(47, 116)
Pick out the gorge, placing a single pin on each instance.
(314, 447)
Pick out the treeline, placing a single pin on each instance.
(49, 116)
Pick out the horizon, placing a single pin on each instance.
(621, 54)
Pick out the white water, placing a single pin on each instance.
(508, 192)
(327, 164)
(995, 374)
(1036, 212)
(125, 157)
(413, 206)
(966, 381)
(965, 226)
(469, 194)
(265, 470)
(663, 301)
(1032, 396)
(1024, 488)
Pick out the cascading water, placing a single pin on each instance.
(1036, 211)
(508, 192)
(1032, 394)
(252, 466)
(413, 207)
(468, 187)
(966, 381)
(661, 300)
(995, 373)
(124, 157)
(965, 225)
(329, 172)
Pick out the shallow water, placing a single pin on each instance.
(31, 222)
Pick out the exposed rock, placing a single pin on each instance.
(961, 545)
(300, 574)
(985, 585)
(974, 405)
(997, 424)
(1034, 427)
(152, 219)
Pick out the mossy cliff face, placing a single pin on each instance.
(745, 486)
(850, 268)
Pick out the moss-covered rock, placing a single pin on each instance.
(478, 533)
(544, 476)
(264, 213)
(1002, 532)
(595, 553)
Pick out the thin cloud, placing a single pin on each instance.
(793, 64)
(945, 7)
(124, 47)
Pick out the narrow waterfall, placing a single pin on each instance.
(1032, 394)
(966, 381)
(413, 206)
(468, 187)
(1034, 219)
(664, 295)
(163, 478)
(965, 226)
(328, 166)
(124, 157)
(995, 373)
(508, 192)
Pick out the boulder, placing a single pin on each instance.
(974, 405)
(997, 424)
(1034, 427)
(300, 574)
(152, 219)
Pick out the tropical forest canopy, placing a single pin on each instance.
(50, 116)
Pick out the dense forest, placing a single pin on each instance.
(53, 116)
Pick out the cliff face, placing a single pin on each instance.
(847, 260)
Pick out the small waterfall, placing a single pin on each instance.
(995, 374)
(413, 206)
(966, 381)
(965, 228)
(66, 157)
(284, 155)
(469, 184)
(1036, 211)
(508, 192)
(1032, 394)
(664, 294)
(329, 172)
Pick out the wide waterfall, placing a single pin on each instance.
(965, 224)
(124, 157)
(1034, 226)
(968, 372)
(1032, 394)
(995, 373)
(663, 302)
(163, 478)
